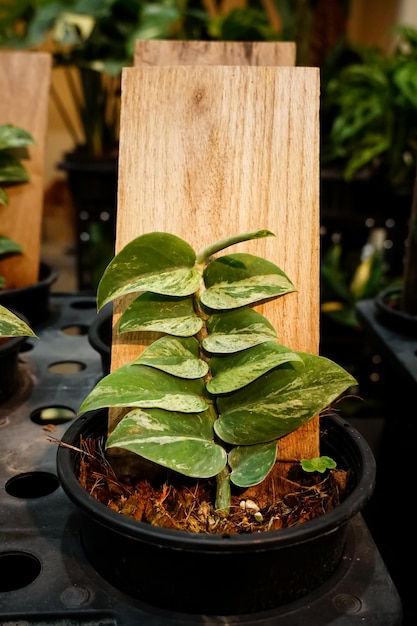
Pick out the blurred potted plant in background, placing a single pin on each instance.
(13, 328)
(369, 111)
(12, 172)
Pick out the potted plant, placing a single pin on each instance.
(30, 300)
(12, 172)
(13, 329)
(202, 409)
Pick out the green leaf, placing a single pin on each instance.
(183, 443)
(204, 254)
(280, 401)
(12, 170)
(235, 371)
(318, 464)
(251, 464)
(176, 356)
(165, 314)
(236, 330)
(156, 262)
(142, 386)
(9, 247)
(240, 279)
(14, 137)
(13, 326)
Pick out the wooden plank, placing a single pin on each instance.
(207, 152)
(167, 52)
(24, 86)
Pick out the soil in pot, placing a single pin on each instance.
(172, 501)
(219, 573)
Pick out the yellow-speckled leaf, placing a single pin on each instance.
(183, 443)
(232, 331)
(234, 371)
(142, 386)
(240, 279)
(176, 356)
(165, 314)
(157, 262)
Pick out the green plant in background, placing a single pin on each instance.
(12, 172)
(215, 392)
(348, 278)
(92, 40)
(369, 110)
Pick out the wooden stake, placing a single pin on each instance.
(24, 87)
(207, 152)
(166, 52)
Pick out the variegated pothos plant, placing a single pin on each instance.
(215, 392)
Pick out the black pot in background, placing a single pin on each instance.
(390, 315)
(217, 574)
(92, 183)
(11, 376)
(32, 301)
(100, 335)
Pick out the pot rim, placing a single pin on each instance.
(47, 276)
(353, 503)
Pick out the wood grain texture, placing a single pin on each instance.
(207, 152)
(24, 86)
(167, 52)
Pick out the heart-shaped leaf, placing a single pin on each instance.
(165, 314)
(232, 331)
(157, 262)
(234, 371)
(176, 356)
(251, 464)
(240, 279)
(280, 401)
(183, 443)
(12, 326)
(142, 386)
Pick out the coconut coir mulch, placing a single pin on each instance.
(289, 497)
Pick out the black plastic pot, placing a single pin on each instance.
(391, 316)
(32, 301)
(92, 183)
(9, 366)
(217, 574)
(100, 335)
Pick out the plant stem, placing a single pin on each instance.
(207, 252)
(223, 492)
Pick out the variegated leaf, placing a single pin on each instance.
(183, 443)
(251, 464)
(9, 247)
(12, 170)
(240, 279)
(142, 386)
(232, 331)
(157, 262)
(176, 356)
(165, 314)
(234, 371)
(280, 401)
(14, 137)
(12, 326)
